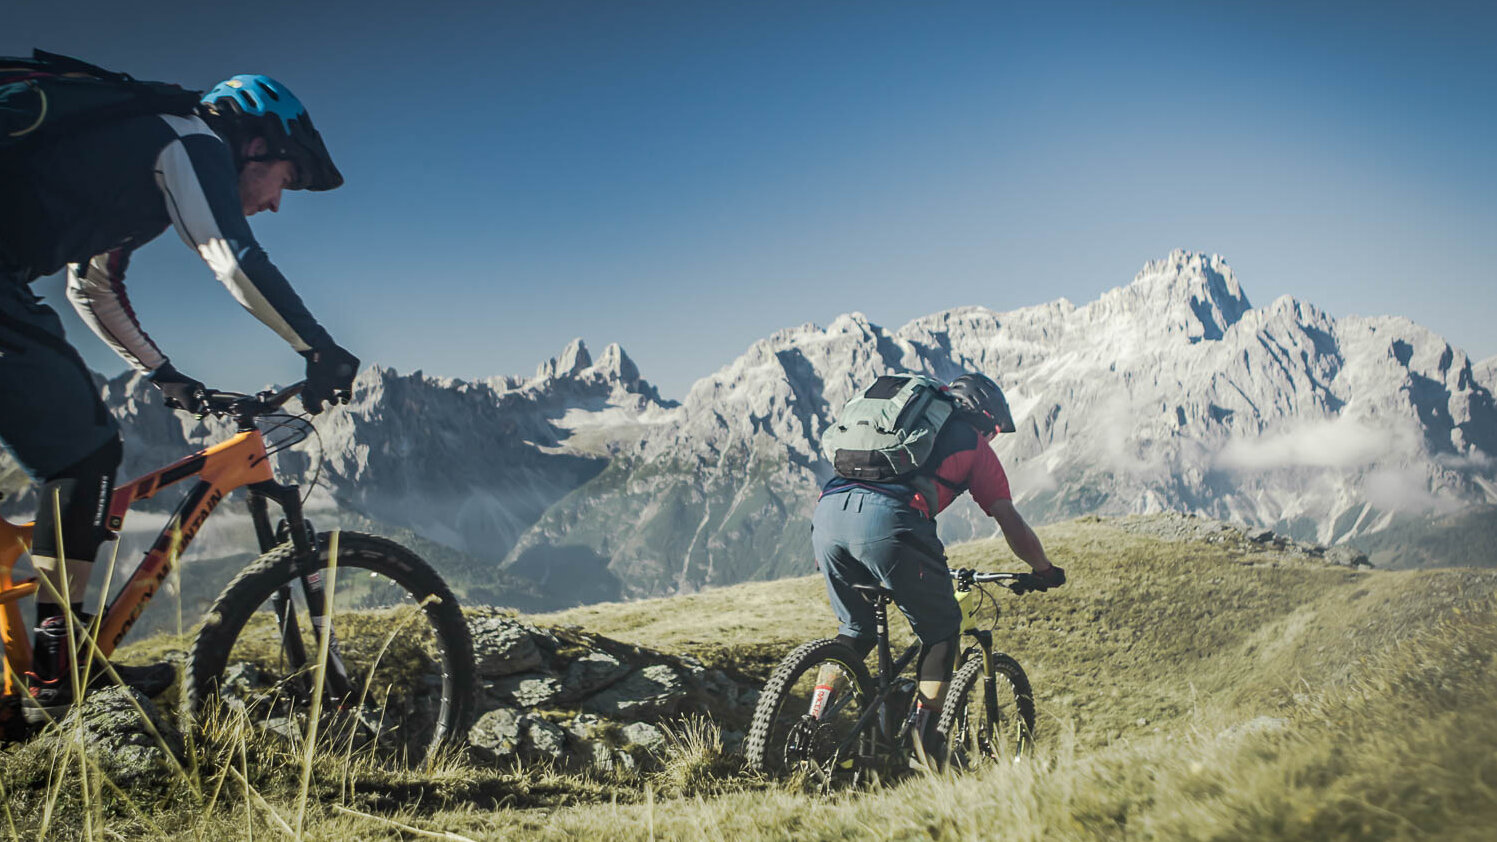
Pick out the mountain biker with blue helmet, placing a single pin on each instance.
(867, 533)
(86, 201)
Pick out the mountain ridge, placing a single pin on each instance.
(1171, 392)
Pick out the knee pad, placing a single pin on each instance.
(77, 498)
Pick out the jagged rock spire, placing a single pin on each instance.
(574, 358)
(1186, 293)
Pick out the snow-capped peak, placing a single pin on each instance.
(1186, 293)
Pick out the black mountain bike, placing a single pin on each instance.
(823, 714)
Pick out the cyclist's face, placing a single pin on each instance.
(261, 182)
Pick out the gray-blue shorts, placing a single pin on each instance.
(862, 537)
(51, 416)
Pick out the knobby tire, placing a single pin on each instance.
(252, 588)
(1010, 737)
(778, 711)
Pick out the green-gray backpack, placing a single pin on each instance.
(887, 434)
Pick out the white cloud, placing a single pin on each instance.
(1332, 443)
(1406, 490)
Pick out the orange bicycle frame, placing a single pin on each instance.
(238, 462)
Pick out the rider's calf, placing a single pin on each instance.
(75, 503)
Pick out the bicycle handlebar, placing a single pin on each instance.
(998, 577)
(246, 408)
(1019, 583)
(987, 577)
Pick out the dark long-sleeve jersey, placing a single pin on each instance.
(89, 201)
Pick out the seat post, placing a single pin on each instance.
(885, 664)
(885, 655)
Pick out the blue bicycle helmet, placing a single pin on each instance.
(249, 106)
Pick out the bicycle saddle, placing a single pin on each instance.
(874, 593)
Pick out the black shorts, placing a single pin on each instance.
(51, 416)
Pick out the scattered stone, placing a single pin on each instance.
(594, 753)
(587, 726)
(646, 736)
(1263, 537)
(526, 690)
(241, 681)
(496, 735)
(503, 646)
(543, 740)
(650, 693)
(506, 734)
(1347, 557)
(723, 691)
(591, 673)
(120, 740)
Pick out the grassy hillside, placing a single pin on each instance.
(1186, 690)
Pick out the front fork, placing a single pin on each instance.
(966, 598)
(989, 675)
(302, 536)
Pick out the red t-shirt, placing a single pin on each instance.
(978, 470)
(964, 462)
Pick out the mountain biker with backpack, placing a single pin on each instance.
(101, 165)
(903, 451)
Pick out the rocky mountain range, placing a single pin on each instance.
(1172, 392)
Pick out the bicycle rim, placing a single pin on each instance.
(398, 680)
(807, 715)
(982, 728)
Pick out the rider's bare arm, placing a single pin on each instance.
(1021, 539)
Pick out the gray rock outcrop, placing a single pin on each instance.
(588, 701)
(126, 746)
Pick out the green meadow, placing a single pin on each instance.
(1186, 690)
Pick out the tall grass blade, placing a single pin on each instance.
(254, 797)
(404, 828)
(10, 820)
(319, 681)
(174, 559)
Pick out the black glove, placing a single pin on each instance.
(181, 391)
(1041, 580)
(330, 373)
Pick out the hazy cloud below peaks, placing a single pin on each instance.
(1339, 442)
(1406, 489)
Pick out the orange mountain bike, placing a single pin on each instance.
(399, 676)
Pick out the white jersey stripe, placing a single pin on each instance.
(193, 217)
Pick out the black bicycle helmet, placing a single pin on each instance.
(250, 106)
(981, 403)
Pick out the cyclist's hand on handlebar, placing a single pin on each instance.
(1041, 580)
(180, 391)
(330, 373)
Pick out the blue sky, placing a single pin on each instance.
(687, 177)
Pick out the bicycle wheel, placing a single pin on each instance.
(406, 683)
(784, 735)
(978, 728)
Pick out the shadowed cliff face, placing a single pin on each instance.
(1170, 393)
